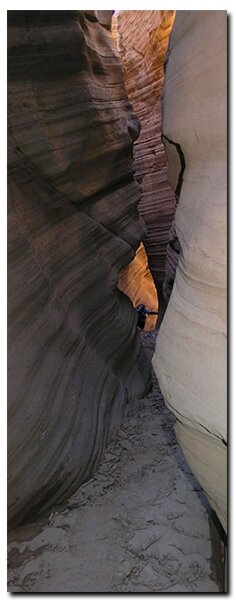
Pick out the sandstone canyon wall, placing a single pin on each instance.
(75, 361)
(191, 349)
(142, 37)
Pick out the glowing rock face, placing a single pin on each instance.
(136, 281)
(191, 350)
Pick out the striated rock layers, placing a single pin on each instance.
(191, 350)
(142, 39)
(75, 360)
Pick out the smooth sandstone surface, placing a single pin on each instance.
(191, 349)
(142, 38)
(75, 360)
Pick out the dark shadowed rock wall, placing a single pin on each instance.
(75, 361)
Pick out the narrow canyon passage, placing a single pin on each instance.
(117, 436)
(141, 524)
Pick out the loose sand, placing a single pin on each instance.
(140, 525)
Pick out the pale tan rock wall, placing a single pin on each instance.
(191, 350)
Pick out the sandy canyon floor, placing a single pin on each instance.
(140, 525)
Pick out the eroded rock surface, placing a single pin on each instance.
(75, 361)
(139, 525)
(191, 350)
(142, 40)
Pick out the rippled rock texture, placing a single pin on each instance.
(75, 361)
(190, 356)
(142, 40)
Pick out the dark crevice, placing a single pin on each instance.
(91, 18)
(182, 163)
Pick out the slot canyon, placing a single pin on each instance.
(117, 198)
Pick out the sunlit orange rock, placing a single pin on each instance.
(136, 281)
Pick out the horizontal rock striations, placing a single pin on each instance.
(191, 350)
(142, 38)
(75, 360)
(172, 257)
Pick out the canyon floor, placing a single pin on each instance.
(140, 525)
